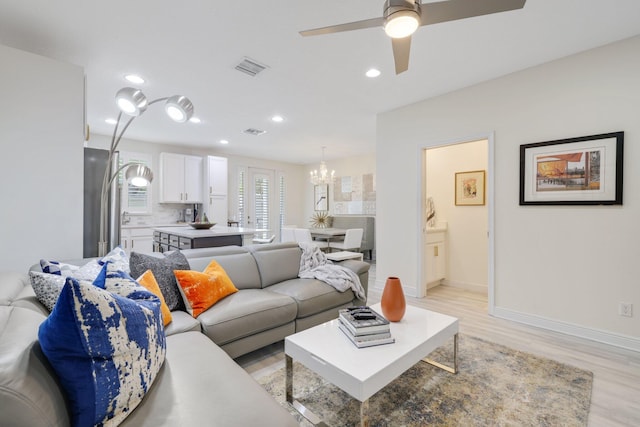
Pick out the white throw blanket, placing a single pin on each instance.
(314, 265)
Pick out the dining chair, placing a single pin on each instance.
(352, 240)
(263, 240)
(287, 234)
(303, 235)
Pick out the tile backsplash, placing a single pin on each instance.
(163, 214)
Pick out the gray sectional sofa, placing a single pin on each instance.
(199, 383)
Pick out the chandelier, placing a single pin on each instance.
(322, 175)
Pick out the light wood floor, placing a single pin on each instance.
(615, 399)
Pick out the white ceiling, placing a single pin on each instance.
(316, 83)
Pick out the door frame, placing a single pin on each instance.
(490, 191)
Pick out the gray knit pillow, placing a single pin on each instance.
(162, 269)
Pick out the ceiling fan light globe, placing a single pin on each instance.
(131, 101)
(179, 108)
(402, 24)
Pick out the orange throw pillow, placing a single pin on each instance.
(148, 280)
(202, 290)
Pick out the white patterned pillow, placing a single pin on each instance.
(107, 348)
(48, 285)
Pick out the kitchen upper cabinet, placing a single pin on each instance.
(217, 175)
(180, 178)
(215, 183)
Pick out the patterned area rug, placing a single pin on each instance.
(495, 386)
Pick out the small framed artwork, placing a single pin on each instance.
(577, 171)
(470, 188)
(321, 197)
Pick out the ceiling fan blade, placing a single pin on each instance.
(451, 10)
(401, 49)
(358, 25)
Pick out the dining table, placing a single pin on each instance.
(328, 234)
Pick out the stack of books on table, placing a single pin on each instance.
(364, 327)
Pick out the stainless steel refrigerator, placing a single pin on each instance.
(95, 162)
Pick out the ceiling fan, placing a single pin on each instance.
(401, 18)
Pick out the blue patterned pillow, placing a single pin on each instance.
(57, 268)
(106, 347)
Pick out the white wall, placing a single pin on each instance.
(349, 166)
(41, 132)
(564, 268)
(295, 180)
(467, 225)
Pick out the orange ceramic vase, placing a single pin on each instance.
(393, 303)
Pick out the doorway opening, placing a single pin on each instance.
(456, 219)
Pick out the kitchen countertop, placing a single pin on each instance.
(216, 230)
(174, 224)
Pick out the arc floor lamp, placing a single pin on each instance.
(133, 102)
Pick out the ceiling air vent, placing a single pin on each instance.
(254, 132)
(250, 66)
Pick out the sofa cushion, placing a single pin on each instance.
(245, 313)
(30, 394)
(106, 348)
(200, 385)
(162, 267)
(312, 296)
(202, 290)
(277, 262)
(237, 262)
(182, 322)
(148, 281)
(12, 284)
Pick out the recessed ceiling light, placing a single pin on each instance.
(111, 121)
(134, 78)
(372, 73)
(277, 119)
(224, 141)
(195, 120)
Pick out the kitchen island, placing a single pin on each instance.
(172, 238)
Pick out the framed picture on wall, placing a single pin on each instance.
(321, 197)
(577, 171)
(470, 188)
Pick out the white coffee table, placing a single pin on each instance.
(362, 372)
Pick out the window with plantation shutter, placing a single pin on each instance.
(241, 208)
(282, 192)
(261, 200)
(134, 200)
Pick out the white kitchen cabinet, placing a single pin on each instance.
(136, 239)
(180, 178)
(216, 183)
(435, 256)
(217, 172)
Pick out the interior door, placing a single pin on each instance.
(262, 213)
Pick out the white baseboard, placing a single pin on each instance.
(622, 341)
(471, 287)
(410, 292)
